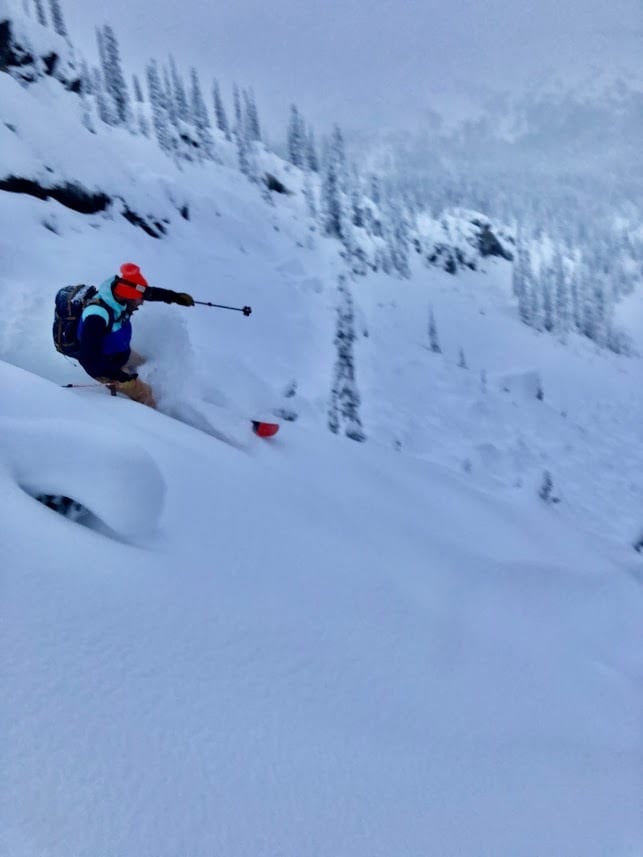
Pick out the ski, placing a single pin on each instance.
(200, 417)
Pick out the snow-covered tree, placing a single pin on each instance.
(309, 195)
(236, 102)
(115, 85)
(201, 119)
(345, 400)
(244, 160)
(521, 283)
(375, 188)
(296, 140)
(219, 111)
(139, 109)
(547, 300)
(103, 102)
(40, 13)
(312, 160)
(136, 86)
(398, 237)
(356, 198)
(86, 91)
(333, 184)
(159, 111)
(251, 119)
(562, 297)
(434, 343)
(57, 17)
(179, 97)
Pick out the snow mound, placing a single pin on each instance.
(116, 480)
(525, 383)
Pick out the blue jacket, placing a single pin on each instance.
(104, 333)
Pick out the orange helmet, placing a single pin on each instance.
(132, 285)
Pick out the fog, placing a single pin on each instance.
(376, 64)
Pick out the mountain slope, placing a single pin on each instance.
(304, 645)
(327, 648)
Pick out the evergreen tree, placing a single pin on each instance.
(521, 284)
(296, 138)
(138, 92)
(243, 150)
(562, 296)
(253, 129)
(357, 212)
(101, 47)
(545, 492)
(219, 112)
(311, 152)
(462, 360)
(547, 301)
(86, 90)
(40, 13)
(332, 187)
(143, 124)
(398, 237)
(594, 324)
(159, 112)
(86, 81)
(345, 400)
(113, 77)
(168, 98)
(535, 302)
(375, 191)
(103, 103)
(576, 302)
(57, 17)
(433, 334)
(141, 118)
(201, 119)
(309, 195)
(236, 100)
(179, 98)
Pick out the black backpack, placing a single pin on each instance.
(70, 303)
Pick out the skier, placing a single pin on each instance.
(105, 331)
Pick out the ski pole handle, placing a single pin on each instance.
(246, 310)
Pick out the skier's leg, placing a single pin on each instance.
(137, 390)
(135, 360)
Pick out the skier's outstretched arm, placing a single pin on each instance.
(154, 293)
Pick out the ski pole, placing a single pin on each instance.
(246, 310)
(110, 387)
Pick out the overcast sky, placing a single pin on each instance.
(369, 63)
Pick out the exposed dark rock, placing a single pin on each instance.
(83, 201)
(273, 183)
(154, 228)
(489, 245)
(13, 56)
(70, 195)
(18, 60)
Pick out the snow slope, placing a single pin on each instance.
(328, 648)
(305, 646)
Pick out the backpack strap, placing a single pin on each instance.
(98, 307)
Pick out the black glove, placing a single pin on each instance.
(183, 299)
(126, 376)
